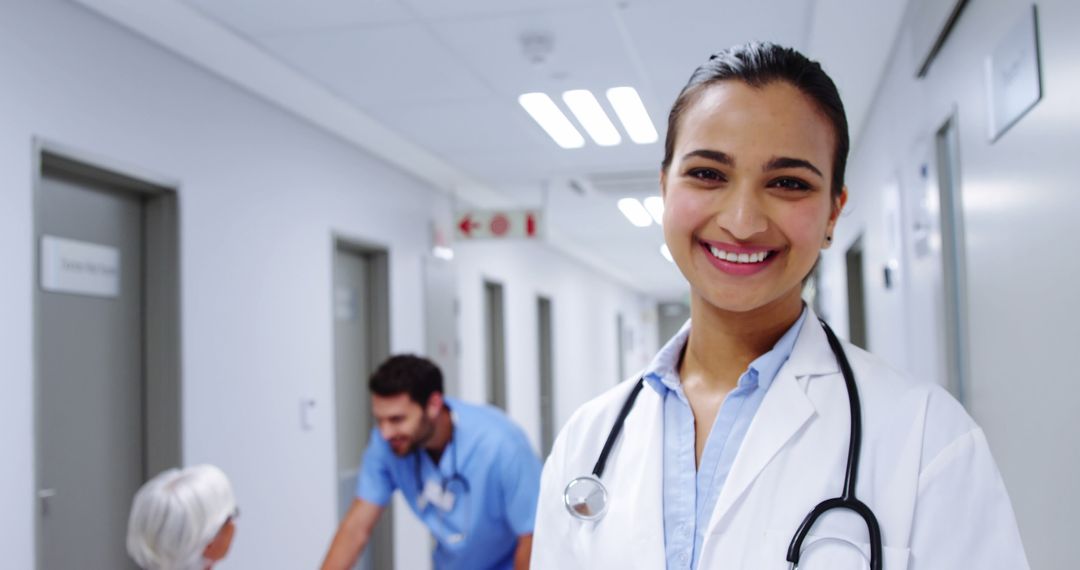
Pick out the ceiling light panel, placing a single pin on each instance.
(664, 251)
(655, 206)
(592, 117)
(632, 114)
(547, 114)
(635, 212)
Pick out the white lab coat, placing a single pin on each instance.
(926, 471)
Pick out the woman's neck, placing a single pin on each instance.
(722, 344)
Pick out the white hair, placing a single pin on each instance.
(176, 514)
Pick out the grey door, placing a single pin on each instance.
(440, 320)
(856, 295)
(496, 344)
(355, 354)
(546, 359)
(90, 383)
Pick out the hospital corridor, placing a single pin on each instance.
(494, 284)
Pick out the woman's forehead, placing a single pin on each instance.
(775, 119)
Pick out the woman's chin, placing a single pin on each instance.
(743, 302)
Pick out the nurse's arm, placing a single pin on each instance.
(352, 535)
(523, 552)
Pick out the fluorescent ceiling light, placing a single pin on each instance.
(632, 114)
(635, 212)
(655, 206)
(664, 251)
(544, 111)
(443, 252)
(592, 116)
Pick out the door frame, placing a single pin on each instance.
(949, 187)
(162, 374)
(378, 338)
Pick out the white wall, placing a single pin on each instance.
(261, 195)
(1019, 208)
(584, 309)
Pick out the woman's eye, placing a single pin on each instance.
(791, 184)
(706, 174)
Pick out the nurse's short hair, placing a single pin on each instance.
(175, 515)
(407, 374)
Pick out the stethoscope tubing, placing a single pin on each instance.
(847, 500)
(445, 483)
(598, 469)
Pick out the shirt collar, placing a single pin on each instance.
(768, 364)
(662, 373)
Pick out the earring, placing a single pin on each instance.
(828, 239)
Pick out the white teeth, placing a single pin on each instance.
(738, 257)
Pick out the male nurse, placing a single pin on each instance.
(466, 470)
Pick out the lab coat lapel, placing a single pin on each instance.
(637, 486)
(783, 412)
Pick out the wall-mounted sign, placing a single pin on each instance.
(489, 224)
(79, 267)
(1013, 78)
(346, 304)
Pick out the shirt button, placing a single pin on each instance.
(685, 558)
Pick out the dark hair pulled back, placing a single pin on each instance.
(759, 64)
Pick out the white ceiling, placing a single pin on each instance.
(432, 86)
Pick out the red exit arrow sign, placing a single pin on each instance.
(498, 224)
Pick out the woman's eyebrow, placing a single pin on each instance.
(713, 155)
(788, 162)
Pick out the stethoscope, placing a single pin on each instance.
(450, 487)
(586, 497)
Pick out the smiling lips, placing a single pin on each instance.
(738, 260)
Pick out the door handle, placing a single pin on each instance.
(45, 497)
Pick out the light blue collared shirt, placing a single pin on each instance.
(476, 523)
(690, 494)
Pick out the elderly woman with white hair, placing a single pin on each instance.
(182, 519)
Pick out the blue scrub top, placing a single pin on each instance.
(479, 528)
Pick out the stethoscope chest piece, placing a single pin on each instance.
(586, 498)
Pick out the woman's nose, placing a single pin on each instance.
(742, 213)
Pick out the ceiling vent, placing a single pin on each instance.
(627, 183)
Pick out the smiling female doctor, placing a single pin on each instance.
(745, 421)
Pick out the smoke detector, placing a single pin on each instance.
(536, 46)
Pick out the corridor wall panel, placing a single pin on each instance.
(261, 195)
(1019, 210)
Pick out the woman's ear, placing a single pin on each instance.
(838, 206)
(663, 183)
(219, 547)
